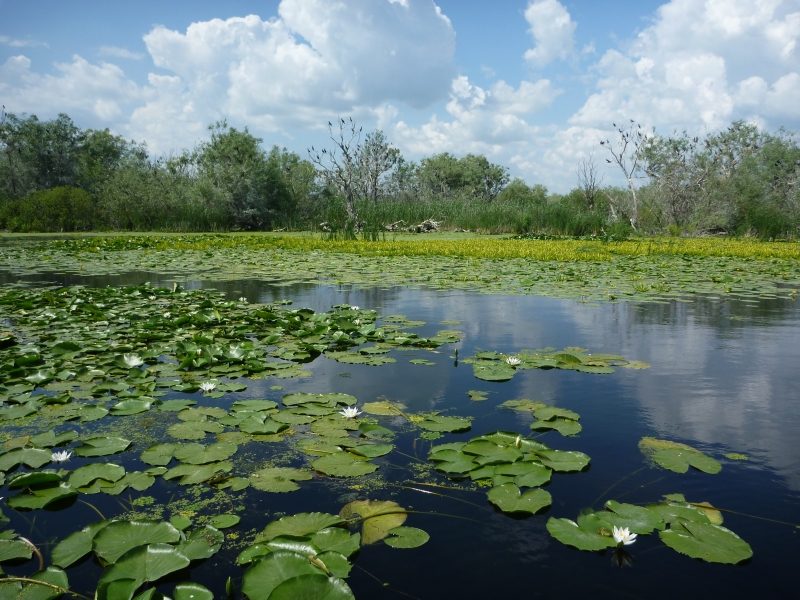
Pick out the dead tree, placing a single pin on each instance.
(588, 181)
(340, 166)
(627, 156)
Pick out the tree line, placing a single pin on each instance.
(55, 176)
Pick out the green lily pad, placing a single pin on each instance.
(224, 521)
(679, 461)
(102, 446)
(383, 408)
(41, 497)
(14, 549)
(86, 474)
(492, 371)
(194, 474)
(406, 537)
(202, 543)
(143, 563)
(76, 545)
(197, 454)
(336, 539)
(371, 430)
(545, 413)
(30, 457)
(569, 533)
(343, 464)
(563, 426)
(194, 430)
(118, 537)
(445, 424)
(159, 455)
(130, 407)
(636, 518)
(263, 576)
(192, 591)
(509, 498)
(312, 587)
(300, 524)
(278, 479)
(563, 461)
(712, 543)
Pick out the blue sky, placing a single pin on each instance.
(532, 84)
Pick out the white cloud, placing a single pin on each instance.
(484, 120)
(552, 30)
(79, 88)
(118, 52)
(15, 43)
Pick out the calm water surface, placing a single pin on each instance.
(724, 378)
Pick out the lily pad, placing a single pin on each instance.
(117, 538)
(224, 521)
(509, 498)
(712, 543)
(300, 524)
(130, 407)
(679, 461)
(563, 461)
(445, 424)
(406, 537)
(197, 454)
(344, 464)
(569, 533)
(636, 518)
(377, 518)
(278, 479)
(102, 446)
(263, 576)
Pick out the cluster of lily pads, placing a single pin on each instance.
(590, 271)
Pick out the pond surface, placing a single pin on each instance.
(724, 378)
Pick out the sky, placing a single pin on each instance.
(533, 85)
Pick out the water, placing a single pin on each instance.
(724, 378)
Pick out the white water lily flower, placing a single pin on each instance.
(623, 536)
(243, 300)
(61, 456)
(132, 360)
(151, 298)
(357, 322)
(207, 387)
(73, 307)
(353, 308)
(351, 412)
(513, 361)
(167, 315)
(518, 441)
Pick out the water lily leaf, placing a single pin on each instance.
(563, 426)
(76, 545)
(679, 461)
(136, 480)
(712, 543)
(263, 576)
(636, 518)
(445, 424)
(194, 430)
(130, 407)
(192, 591)
(255, 551)
(304, 398)
(293, 544)
(525, 473)
(86, 474)
(337, 565)
(300, 524)
(41, 376)
(567, 358)
(545, 413)
(118, 537)
(49, 439)
(371, 450)
(224, 521)
(673, 512)
(65, 348)
(256, 405)
(14, 549)
(32, 591)
(383, 408)
(194, 474)
(343, 464)
(278, 479)
(41, 497)
(509, 498)
(492, 371)
(159, 454)
(258, 426)
(371, 430)
(102, 446)
(378, 517)
(91, 412)
(30, 457)
(569, 533)
(337, 539)
(292, 419)
(197, 454)
(9, 413)
(144, 563)
(406, 537)
(312, 587)
(202, 543)
(562, 461)
(32, 479)
(175, 405)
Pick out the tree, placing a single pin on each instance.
(376, 158)
(340, 166)
(484, 179)
(627, 157)
(588, 181)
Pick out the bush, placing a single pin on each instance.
(58, 209)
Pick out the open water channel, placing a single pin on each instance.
(724, 378)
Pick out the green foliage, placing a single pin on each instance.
(57, 209)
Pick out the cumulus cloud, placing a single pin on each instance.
(484, 120)
(552, 29)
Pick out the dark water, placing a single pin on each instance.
(725, 377)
